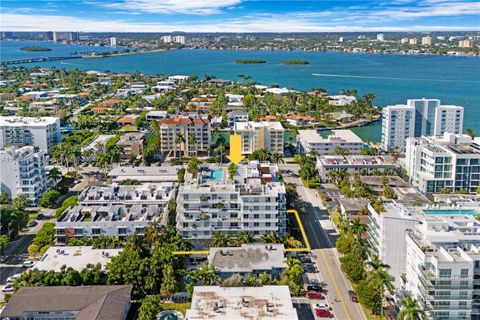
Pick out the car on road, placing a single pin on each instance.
(315, 295)
(316, 287)
(32, 224)
(353, 296)
(327, 198)
(8, 288)
(305, 259)
(323, 313)
(12, 278)
(28, 263)
(323, 306)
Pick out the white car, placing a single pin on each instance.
(28, 264)
(8, 288)
(12, 278)
(323, 306)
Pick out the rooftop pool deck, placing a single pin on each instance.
(469, 212)
(216, 175)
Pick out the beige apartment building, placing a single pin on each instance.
(185, 134)
(260, 135)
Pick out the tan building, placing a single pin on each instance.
(427, 41)
(194, 132)
(467, 43)
(413, 41)
(260, 135)
(132, 144)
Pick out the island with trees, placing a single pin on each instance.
(249, 61)
(35, 48)
(295, 62)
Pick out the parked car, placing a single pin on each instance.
(327, 198)
(305, 259)
(28, 264)
(32, 224)
(324, 313)
(353, 296)
(315, 295)
(316, 287)
(12, 278)
(323, 306)
(8, 288)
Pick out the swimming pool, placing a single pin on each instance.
(216, 174)
(452, 212)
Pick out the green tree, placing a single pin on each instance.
(344, 244)
(388, 192)
(410, 309)
(193, 166)
(150, 307)
(4, 198)
(169, 283)
(382, 280)
(353, 267)
(470, 132)
(54, 174)
(369, 296)
(49, 198)
(3, 244)
(232, 171)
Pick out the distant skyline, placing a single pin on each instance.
(240, 16)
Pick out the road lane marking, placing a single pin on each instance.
(325, 262)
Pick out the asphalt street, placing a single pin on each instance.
(322, 235)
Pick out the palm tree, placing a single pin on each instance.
(152, 233)
(192, 140)
(411, 310)
(291, 242)
(360, 247)
(375, 263)
(271, 237)
(54, 174)
(220, 239)
(356, 228)
(240, 238)
(383, 281)
(180, 139)
(277, 158)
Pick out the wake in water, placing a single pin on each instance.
(388, 78)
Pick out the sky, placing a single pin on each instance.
(239, 16)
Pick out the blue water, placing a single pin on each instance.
(216, 175)
(452, 212)
(392, 78)
(10, 50)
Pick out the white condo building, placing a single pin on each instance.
(433, 254)
(260, 135)
(253, 202)
(42, 132)
(451, 161)
(443, 266)
(419, 117)
(23, 172)
(115, 210)
(113, 42)
(309, 140)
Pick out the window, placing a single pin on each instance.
(464, 273)
(445, 273)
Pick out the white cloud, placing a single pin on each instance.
(254, 23)
(198, 7)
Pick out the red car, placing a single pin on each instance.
(322, 313)
(326, 198)
(315, 295)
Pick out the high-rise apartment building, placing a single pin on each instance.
(43, 132)
(426, 41)
(186, 134)
(413, 41)
(23, 172)
(179, 39)
(419, 117)
(260, 135)
(113, 42)
(380, 37)
(449, 162)
(253, 201)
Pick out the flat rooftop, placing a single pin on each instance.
(145, 174)
(384, 160)
(248, 258)
(76, 257)
(312, 136)
(127, 193)
(251, 125)
(31, 121)
(236, 303)
(111, 213)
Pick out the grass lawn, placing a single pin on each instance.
(32, 216)
(180, 307)
(336, 218)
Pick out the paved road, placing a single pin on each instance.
(322, 234)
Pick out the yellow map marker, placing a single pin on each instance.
(236, 149)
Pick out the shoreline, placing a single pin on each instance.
(123, 54)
